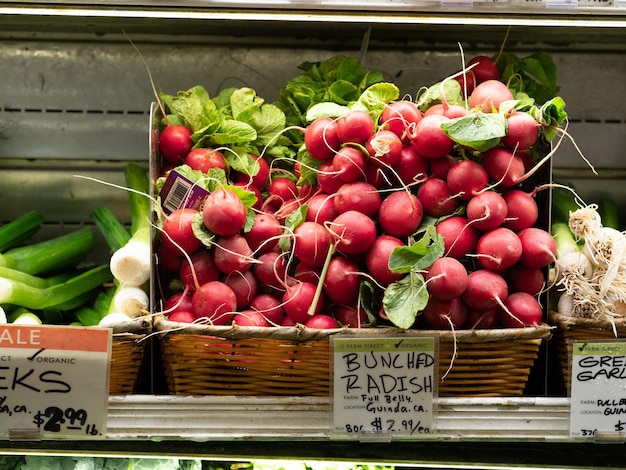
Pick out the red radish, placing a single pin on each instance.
(459, 237)
(355, 126)
(351, 316)
(201, 270)
(488, 95)
(538, 247)
(484, 69)
(400, 214)
(270, 307)
(504, 166)
(342, 280)
(258, 180)
(297, 300)
(321, 208)
(283, 188)
(350, 163)
(327, 178)
(436, 198)
(175, 142)
(215, 301)
(250, 318)
(522, 131)
(446, 278)
(288, 321)
(482, 319)
(286, 209)
(254, 190)
(322, 322)
(467, 81)
(263, 236)
(411, 167)
(311, 244)
(520, 310)
(244, 285)
(485, 290)
(232, 254)
(445, 314)
(320, 138)
(169, 259)
(384, 148)
(398, 116)
(178, 302)
(498, 249)
(487, 210)
(178, 231)
(439, 167)
(377, 259)
(224, 213)
(451, 111)
(429, 139)
(182, 316)
(306, 273)
(522, 210)
(467, 178)
(271, 269)
(378, 177)
(357, 196)
(355, 232)
(203, 159)
(525, 279)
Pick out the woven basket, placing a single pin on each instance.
(233, 360)
(127, 353)
(569, 329)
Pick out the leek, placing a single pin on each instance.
(18, 230)
(57, 253)
(115, 234)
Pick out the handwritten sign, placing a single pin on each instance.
(384, 386)
(598, 390)
(54, 381)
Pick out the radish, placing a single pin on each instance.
(451, 111)
(297, 300)
(467, 80)
(467, 178)
(177, 231)
(215, 301)
(504, 166)
(232, 254)
(250, 318)
(270, 307)
(439, 167)
(377, 259)
(459, 237)
(179, 301)
(271, 269)
(400, 214)
(321, 139)
(482, 319)
(260, 178)
(524, 279)
(258, 205)
(484, 68)
(175, 142)
(485, 290)
(522, 210)
(488, 95)
(487, 210)
(350, 163)
(203, 159)
(321, 321)
(355, 127)
(399, 116)
(169, 259)
(520, 310)
(201, 270)
(283, 189)
(429, 139)
(411, 167)
(357, 196)
(224, 213)
(446, 278)
(538, 247)
(182, 316)
(350, 316)
(355, 232)
(498, 249)
(436, 198)
(311, 244)
(342, 280)
(264, 234)
(522, 131)
(244, 285)
(445, 314)
(384, 148)
(327, 178)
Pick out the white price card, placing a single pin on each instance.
(54, 381)
(384, 387)
(598, 389)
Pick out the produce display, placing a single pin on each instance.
(343, 204)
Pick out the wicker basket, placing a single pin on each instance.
(127, 353)
(232, 360)
(569, 329)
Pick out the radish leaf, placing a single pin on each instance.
(404, 299)
(418, 255)
(480, 131)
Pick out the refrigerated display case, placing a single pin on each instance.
(75, 99)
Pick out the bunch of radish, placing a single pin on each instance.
(411, 215)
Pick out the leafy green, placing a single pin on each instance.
(418, 255)
(291, 222)
(449, 89)
(404, 299)
(479, 131)
(535, 75)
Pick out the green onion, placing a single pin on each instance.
(20, 229)
(115, 234)
(564, 239)
(50, 255)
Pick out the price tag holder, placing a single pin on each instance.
(598, 390)
(384, 387)
(54, 381)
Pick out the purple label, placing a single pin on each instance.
(179, 192)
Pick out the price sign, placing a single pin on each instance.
(598, 390)
(54, 381)
(384, 386)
